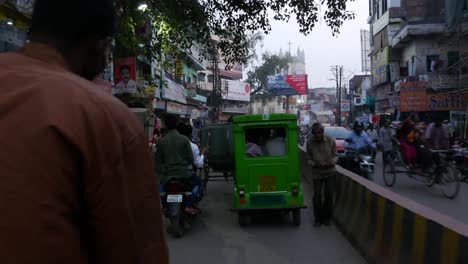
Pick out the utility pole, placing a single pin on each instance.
(338, 78)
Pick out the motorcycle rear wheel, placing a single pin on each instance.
(177, 226)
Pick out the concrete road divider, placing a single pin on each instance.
(388, 228)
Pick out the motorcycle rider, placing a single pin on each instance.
(173, 156)
(359, 140)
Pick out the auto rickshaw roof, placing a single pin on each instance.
(263, 118)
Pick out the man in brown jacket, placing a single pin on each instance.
(77, 183)
(321, 150)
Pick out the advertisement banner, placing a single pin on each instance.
(176, 108)
(380, 67)
(413, 96)
(125, 76)
(447, 102)
(235, 91)
(287, 84)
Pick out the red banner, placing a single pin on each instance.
(298, 82)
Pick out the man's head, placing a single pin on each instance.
(386, 124)
(318, 131)
(125, 73)
(170, 121)
(83, 34)
(438, 121)
(371, 126)
(358, 127)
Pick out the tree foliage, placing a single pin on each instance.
(177, 24)
(271, 64)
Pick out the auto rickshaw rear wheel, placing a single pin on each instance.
(243, 218)
(296, 217)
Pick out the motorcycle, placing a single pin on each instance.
(359, 161)
(174, 199)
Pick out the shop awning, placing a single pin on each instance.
(174, 91)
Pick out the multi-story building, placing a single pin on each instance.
(419, 54)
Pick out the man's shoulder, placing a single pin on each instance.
(329, 139)
(81, 97)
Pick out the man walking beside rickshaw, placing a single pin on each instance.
(321, 150)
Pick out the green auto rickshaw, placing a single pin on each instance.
(267, 173)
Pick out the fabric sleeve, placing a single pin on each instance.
(123, 208)
(199, 160)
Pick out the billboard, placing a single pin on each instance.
(235, 90)
(365, 51)
(287, 84)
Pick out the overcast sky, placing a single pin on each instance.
(321, 48)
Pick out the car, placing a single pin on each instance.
(340, 134)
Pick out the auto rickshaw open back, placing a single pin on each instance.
(267, 173)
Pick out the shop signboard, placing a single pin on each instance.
(191, 90)
(238, 109)
(235, 90)
(380, 67)
(447, 102)
(287, 84)
(174, 91)
(176, 108)
(345, 106)
(413, 96)
(160, 104)
(125, 76)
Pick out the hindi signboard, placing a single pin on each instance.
(413, 96)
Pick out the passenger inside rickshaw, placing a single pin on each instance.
(266, 142)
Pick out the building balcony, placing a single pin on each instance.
(412, 30)
(446, 81)
(205, 86)
(438, 81)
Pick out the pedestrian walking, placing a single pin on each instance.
(77, 183)
(321, 151)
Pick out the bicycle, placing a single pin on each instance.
(442, 173)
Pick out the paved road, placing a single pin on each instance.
(217, 238)
(431, 197)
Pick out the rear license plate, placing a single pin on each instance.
(174, 198)
(267, 188)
